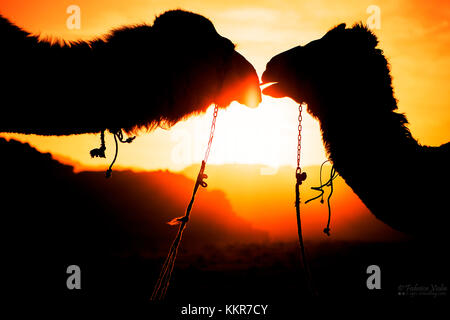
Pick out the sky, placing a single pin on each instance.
(415, 37)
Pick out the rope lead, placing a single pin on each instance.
(300, 177)
(162, 284)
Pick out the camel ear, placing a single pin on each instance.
(340, 27)
(365, 35)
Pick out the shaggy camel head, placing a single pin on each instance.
(345, 80)
(323, 72)
(135, 77)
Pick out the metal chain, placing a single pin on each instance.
(300, 177)
(211, 134)
(299, 145)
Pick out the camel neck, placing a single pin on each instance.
(376, 139)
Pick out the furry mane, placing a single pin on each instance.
(134, 77)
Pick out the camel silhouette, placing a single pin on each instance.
(345, 80)
(135, 77)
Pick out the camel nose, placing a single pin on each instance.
(274, 70)
(279, 66)
(252, 97)
(246, 86)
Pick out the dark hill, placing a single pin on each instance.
(52, 217)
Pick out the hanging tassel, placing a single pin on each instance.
(178, 220)
(118, 135)
(329, 183)
(99, 152)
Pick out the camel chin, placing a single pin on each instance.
(279, 90)
(274, 90)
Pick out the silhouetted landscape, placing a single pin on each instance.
(115, 230)
(109, 110)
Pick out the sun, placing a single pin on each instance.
(266, 135)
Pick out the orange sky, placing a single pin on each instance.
(267, 201)
(415, 36)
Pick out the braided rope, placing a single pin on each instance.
(162, 284)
